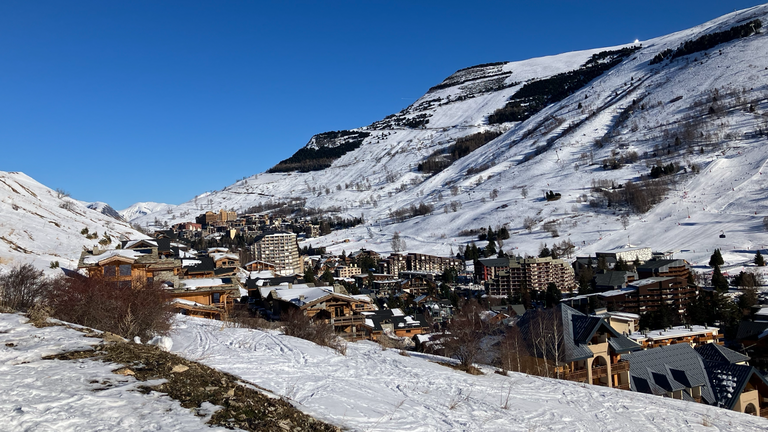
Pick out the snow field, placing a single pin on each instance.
(76, 395)
(370, 389)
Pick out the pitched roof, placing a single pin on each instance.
(720, 354)
(577, 329)
(750, 329)
(374, 319)
(660, 370)
(728, 381)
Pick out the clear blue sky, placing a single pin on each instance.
(126, 101)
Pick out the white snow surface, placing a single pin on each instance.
(371, 389)
(38, 226)
(76, 395)
(726, 195)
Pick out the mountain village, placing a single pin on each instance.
(592, 223)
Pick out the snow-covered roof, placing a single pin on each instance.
(219, 255)
(193, 284)
(124, 253)
(673, 332)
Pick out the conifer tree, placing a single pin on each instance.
(490, 250)
(719, 282)
(759, 261)
(716, 260)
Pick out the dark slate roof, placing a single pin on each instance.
(749, 329)
(495, 262)
(728, 381)
(206, 265)
(622, 344)
(577, 330)
(613, 279)
(398, 321)
(163, 244)
(584, 327)
(720, 354)
(657, 370)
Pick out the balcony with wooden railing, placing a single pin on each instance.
(598, 372)
(764, 412)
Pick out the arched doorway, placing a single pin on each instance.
(600, 374)
(750, 409)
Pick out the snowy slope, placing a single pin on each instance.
(142, 209)
(79, 395)
(39, 225)
(371, 389)
(573, 137)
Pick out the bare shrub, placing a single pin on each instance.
(466, 331)
(243, 319)
(22, 287)
(529, 223)
(142, 310)
(39, 314)
(297, 324)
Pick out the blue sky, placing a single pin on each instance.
(160, 101)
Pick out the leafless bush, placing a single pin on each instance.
(142, 310)
(551, 228)
(297, 324)
(466, 331)
(243, 319)
(529, 223)
(61, 193)
(22, 287)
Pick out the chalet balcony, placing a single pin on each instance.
(348, 320)
(598, 372)
(764, 412)
(579, 375)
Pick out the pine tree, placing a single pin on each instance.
(716, 260)
(553, 295)
(490, 250)
(719, 282)
(759, 261)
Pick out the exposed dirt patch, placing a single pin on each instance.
(243, 406)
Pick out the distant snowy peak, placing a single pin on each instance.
(104, 209)
(142, 209)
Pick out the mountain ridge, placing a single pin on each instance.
(701, 111)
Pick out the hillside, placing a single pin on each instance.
(40, 226)
(582, 124)
(375, 389)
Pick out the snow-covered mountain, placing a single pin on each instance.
(581, 124)
(136, 211)
(104, 209)
(41, 226)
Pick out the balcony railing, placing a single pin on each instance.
(764, 412)
(597, 372)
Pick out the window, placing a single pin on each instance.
(125, 269)
(124, 284)
(110, 270)
(216, 297)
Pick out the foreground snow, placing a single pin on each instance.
(79, 395)
(375, 389)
